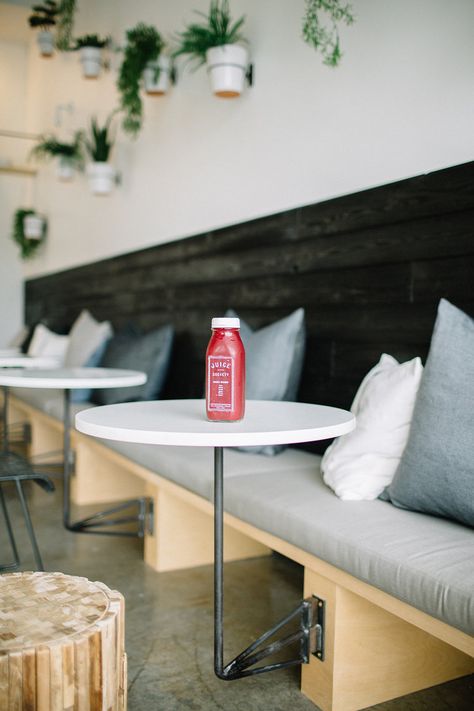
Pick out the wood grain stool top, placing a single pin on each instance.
(61, 644)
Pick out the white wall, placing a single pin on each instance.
(400, 104)
(13, 188)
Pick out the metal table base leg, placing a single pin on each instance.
(310, 612)
(16, 558)
(102, 521)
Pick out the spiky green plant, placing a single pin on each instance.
(217, 30)
(91, 41)
(27, 246)
(320, 36)
(44, 16)
(144, 44)
(100, 142)
(67, 10)
(49, 147)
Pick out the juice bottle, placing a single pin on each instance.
(225, 372)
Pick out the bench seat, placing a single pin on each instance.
(425, 561)
(398, 585)
(419, 559)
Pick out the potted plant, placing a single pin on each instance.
(44, 17)
(90, 49)
(157, 76)
(69, 155)
(217, 42)
(29, 231)
(99, 146)
(65, 25)
(321, 36)
(142, 52)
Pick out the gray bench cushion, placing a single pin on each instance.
(422, 560)
(192, 467)
(51, 402)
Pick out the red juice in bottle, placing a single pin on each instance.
(225, 372)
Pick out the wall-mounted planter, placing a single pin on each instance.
(227, 68)
(45, 41)
(65, 169)
(91, 60)
(101, 178)
(33, 226)
(157, 76)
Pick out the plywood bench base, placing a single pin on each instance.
(371, 655)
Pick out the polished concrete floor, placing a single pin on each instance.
(169, 621)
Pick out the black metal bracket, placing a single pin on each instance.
(101, 522)
(309, 634)
(249, 75)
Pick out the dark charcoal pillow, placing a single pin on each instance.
(436, 472)
(149, 353)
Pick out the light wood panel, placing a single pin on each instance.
(372, 655)
(184, 535)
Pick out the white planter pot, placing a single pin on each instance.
(65, 169)
(156, 76)
(45, 41)
(91, 60)
(33, 226)
(101, 178)
(226, 66)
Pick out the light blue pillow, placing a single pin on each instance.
(85, 394)
(273, 362)
(436, 472)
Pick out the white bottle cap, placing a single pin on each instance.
(225, 323)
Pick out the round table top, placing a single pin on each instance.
(24, 361)
(184, 423)
(72, 378)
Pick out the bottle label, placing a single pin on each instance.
(220, 380)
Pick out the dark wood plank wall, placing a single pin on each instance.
(369, 269)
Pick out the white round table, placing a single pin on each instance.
(68, 379)
(184, 423)
(24, 361)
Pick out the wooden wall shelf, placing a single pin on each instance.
(18, 170)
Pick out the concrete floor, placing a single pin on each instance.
(169, 621)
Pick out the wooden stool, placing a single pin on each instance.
(61, 644)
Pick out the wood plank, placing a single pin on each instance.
(372, 655)
(29, 680)
(15, 681)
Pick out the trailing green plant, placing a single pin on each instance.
(321, 36)
(144, 45)
(217, 30)
(91, 41)
(44, 16)
(27, 246)
(100, 141)
(49, 147)
(67, 10)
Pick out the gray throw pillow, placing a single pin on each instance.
(149, 353)
(436, 472)
(273, 362)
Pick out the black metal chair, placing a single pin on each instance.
(14, 468)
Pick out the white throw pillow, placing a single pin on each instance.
(85, 337)
(361, 464)
(45, 343)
